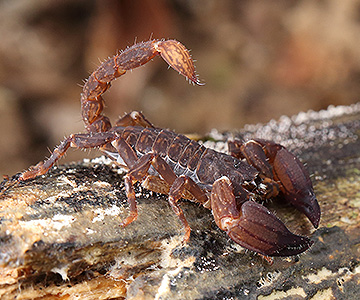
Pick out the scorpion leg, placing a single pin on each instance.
(253, 153)
(139, 170)
(252, 225)
(180, 185)
(75, 140)
(255, 156)
(134, 118)
(286, 168)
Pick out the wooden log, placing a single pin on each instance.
(60, 235)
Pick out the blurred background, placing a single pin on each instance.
(259, 59)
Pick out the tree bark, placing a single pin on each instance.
(60, 235)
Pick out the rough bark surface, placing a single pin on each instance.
(60, 236)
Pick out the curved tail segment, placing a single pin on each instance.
(92, 103)
(252, 225)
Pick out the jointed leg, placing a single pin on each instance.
(139, 170)
(136, 173)
(254, 154)
(178, 188)
(81, 141)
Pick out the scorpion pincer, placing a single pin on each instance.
(230, 185)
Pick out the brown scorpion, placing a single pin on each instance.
(166, 162)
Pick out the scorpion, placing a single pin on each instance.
(230, 185)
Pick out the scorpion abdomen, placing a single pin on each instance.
(186, 156)
(181, 153)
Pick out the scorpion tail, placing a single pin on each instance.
(253, 226)
(179, 58)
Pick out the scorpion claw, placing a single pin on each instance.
(296, 185)
(253, 226)
(259, 230)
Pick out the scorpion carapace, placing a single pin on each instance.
(163, 161)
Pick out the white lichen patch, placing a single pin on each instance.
(162, 262)
(307, 128)
(234, 247)
(347, 220)
(62, 271)
(218, 144)
(101, 160)
(165, 284)
(268, 279)
(316, 278)
(90, 231)
(167, 260)
(102, 184)
(104, 160)
(173, 266)
(59, 221)
(330, 113)
(53, 199)
(347, 275)
(324, 294)
(66, 180)
(341, 276)
(100, 213)
(276, 295)
(45, 226)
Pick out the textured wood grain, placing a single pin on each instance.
(60, 234)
